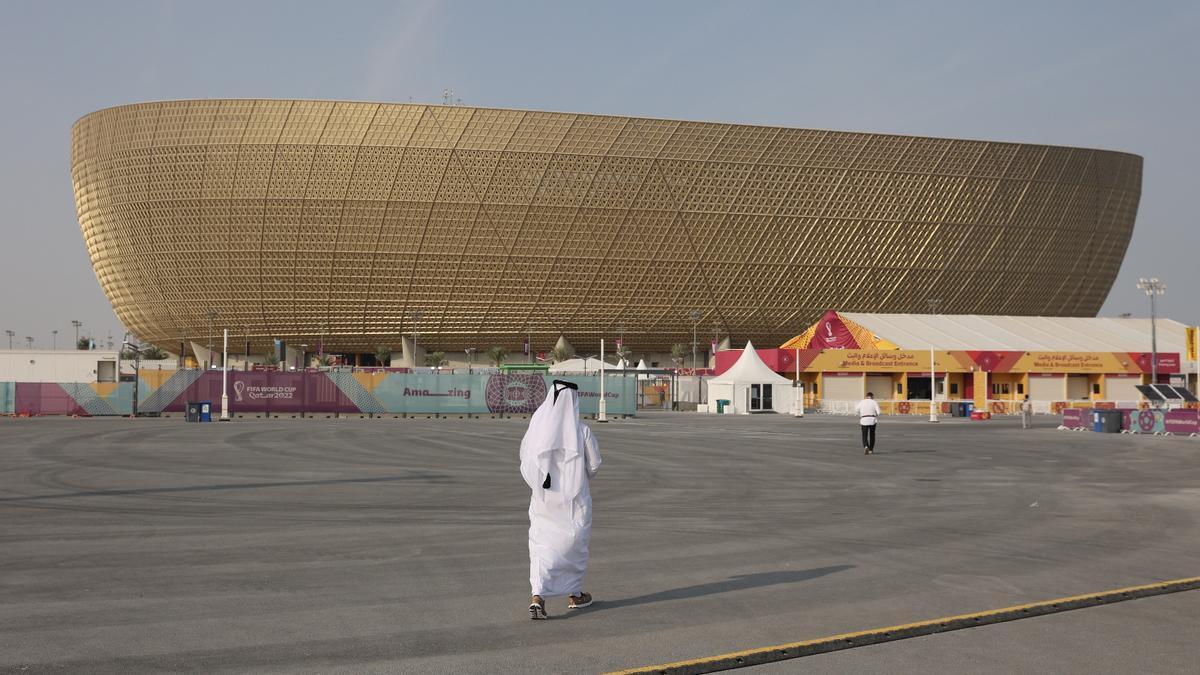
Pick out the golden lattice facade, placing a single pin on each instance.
(301, 219)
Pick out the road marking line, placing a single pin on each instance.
(832, 643)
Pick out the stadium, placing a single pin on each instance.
(352, 225)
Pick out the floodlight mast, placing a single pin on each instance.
(933, 303)
(137, 365)
(1153, 287)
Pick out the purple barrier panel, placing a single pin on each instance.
(269, 392)
(322, 394)
(44, 398)
(206, 388)
(1075, 418)
(1182, 421)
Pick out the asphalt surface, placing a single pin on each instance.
(400, 545)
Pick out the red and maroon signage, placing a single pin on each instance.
(832, 333)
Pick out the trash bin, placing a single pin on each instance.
(205, 411)
(968, 408)
(1110, 421)
(193, 411)
(721, 403)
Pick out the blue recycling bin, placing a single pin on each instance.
(205, 411)
(968, 408)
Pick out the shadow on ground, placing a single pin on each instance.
(740, 582)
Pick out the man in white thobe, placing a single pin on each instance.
(868, 417)
(559, 456)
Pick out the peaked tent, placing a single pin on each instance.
(748, 376)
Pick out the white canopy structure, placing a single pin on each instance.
(751, 386)
(588, 364)
(1021, 333)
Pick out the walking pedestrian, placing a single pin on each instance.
(559, 457)
(868, 417)
(1026, 413)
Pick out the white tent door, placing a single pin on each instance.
(1122, 388)
(843, 389)
(1045, 389)
(759, 397)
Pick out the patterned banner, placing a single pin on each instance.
(281, 393)
(917, 361)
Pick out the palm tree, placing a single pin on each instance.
(153, 353)
(679, 353)
(271, 358)
(383, 354)
(497, 354)
(435, 359)
(625, 354)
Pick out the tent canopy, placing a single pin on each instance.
(860, 330)
(749, 368)
(584, 365)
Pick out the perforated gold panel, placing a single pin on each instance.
(297, 219)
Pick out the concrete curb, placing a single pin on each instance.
(833, 643)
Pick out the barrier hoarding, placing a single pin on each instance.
(342, 392)
(1182, 422)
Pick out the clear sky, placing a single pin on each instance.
(1117, 75)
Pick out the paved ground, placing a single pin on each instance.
(399, 545)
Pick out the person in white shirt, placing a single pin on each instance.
(868, 417)
(559, 458)
(1026, 413)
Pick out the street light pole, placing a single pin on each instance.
(54, 339)
(225, 379)
(76, 324)
(1153, 287)
(603, 407)
(208, 363)
(695, 316)
(933, 308)
(10, 334)
(137, 364)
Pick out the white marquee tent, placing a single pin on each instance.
(751, 386)
(589, 364)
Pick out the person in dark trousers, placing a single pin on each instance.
(868, 417)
